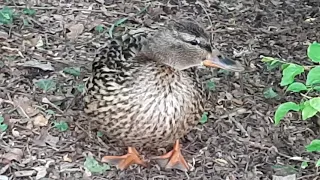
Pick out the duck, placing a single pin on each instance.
(144, 91)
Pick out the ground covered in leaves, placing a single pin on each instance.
(47, 49)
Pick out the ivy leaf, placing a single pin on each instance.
(211, 85)
(99, 28)
(61, 126)
(3, 127)
(50, 112)
(313, 76)
(99, 134)
(304, 165)
(269, 93)
(315, 103)
(29, 11)
(308, 111)
(283, 109)
(318, 163)
(6, 15)
(297, 87)
(80, 88)
(313, 52)
(46, 84)
(204, 118)
(72, 71)
(317, 88)
(93, 166)
(314, 146)
(289, 73)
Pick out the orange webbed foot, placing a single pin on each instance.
(123, 162)
(173, 159)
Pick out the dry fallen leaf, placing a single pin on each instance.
(34, 42)
(75, 31)
(37, 64)
(15, 133)
(4, 177)
(14, 154)
(66, 158)
(40, 120)
(25, 106)
(41, 171)
(24, 173)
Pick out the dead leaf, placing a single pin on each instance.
(41, 171)
(36, 64)
(75, 31)
(4, 177)
(46, 138)
(4, 35)
(14, 154)
(66, 158)
(15, 133)
(34, 42)
(25, 106)
(40, 120)
(24, 173)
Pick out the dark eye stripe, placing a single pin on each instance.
(206, 47)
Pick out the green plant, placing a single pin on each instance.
(6, 15)
(3, 127)
(309, 106)
(61, 126)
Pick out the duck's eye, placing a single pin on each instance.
(194, 42)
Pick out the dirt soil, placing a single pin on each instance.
(239, 141)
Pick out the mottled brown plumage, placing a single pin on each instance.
(144, 91)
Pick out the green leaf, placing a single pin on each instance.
(313, 76)
(61, 126)
(308, 111)
(211, 85)
(283, 109)
(297, 87)
(304, 165)
(204, 118)
(117, 23)
(314, 52)
(283, 66)
(99, 134)
(99, 28)
(290, 73)
(29, 11)
(315, 103)
(75, 71)
(46, 84)
(273, 65)
(6, 15)
(3, 127)
(93, 166)
(80, 88)
(50, 112)
(314, 146)
(1, 119)
(318, 163)
(269, 93)
(317, 88)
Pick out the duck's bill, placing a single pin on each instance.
(223, 63)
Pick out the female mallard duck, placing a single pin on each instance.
(144, 91)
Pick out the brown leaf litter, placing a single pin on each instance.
(239, 141)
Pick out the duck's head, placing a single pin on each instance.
(185, 44)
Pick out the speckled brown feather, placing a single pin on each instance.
(140, 102)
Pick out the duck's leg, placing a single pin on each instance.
(123, 162)
(173, 159)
